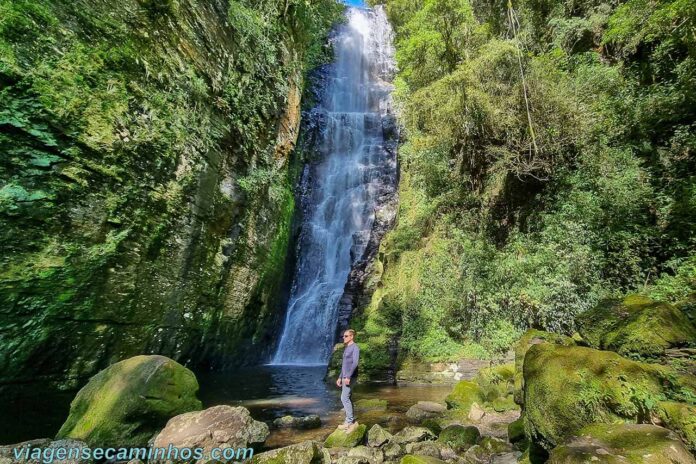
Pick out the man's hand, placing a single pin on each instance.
(346, 381)
(338, 382)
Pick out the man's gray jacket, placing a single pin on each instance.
(351, 355)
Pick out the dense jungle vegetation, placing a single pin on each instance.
(548, 164)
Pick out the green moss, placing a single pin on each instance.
(614, 443)
(528, 339)
(464, 394)
(636, 327)
(128, 402)
(339, 438)
(515, 431)
(305, 452)
(568, 387)
(459, 437)
(681, 418)
(128, 150)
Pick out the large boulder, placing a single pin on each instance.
(622, 443)
(217, 427)
(570, 387)
(636, 327)
(128, 402)
(339, 438)
(307, 452)
(530, 338)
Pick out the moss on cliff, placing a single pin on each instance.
(146, 198)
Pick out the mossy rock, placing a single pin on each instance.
(464, 394)
(128, 402)
(570, 387)
(530, 338)
(341, 439)
(307, 452)
(412, 435)
(413, 459)
(377, 436)
(681, 418)
(515, 431)
(460, 437)
(636, 327)
(622, 443)
(373, 404)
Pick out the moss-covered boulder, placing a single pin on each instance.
(128, 402)
(340, 438)
(414, 459)
(460, 437)
(681, 418)
(622, 443)
(530, 338)
(570, 387)
(464, 394)
(308, 452)
(636, 327)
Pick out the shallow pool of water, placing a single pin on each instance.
(268, 392)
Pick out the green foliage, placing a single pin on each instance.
(123, 129)
(545, 167)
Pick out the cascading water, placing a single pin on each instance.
(345, 190)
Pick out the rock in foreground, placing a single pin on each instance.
(570, 387)
(622, 443)
(308, 452)
(128, 402)
(217, 427)
(339, 438)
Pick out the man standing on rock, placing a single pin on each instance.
(349, 372)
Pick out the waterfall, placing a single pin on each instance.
(343, 191)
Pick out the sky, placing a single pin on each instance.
(354, 2)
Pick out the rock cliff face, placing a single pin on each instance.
(145, 181)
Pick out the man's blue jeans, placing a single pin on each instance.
(347, 400)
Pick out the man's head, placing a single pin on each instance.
(348, 336)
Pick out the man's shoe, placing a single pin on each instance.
(352, 427)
